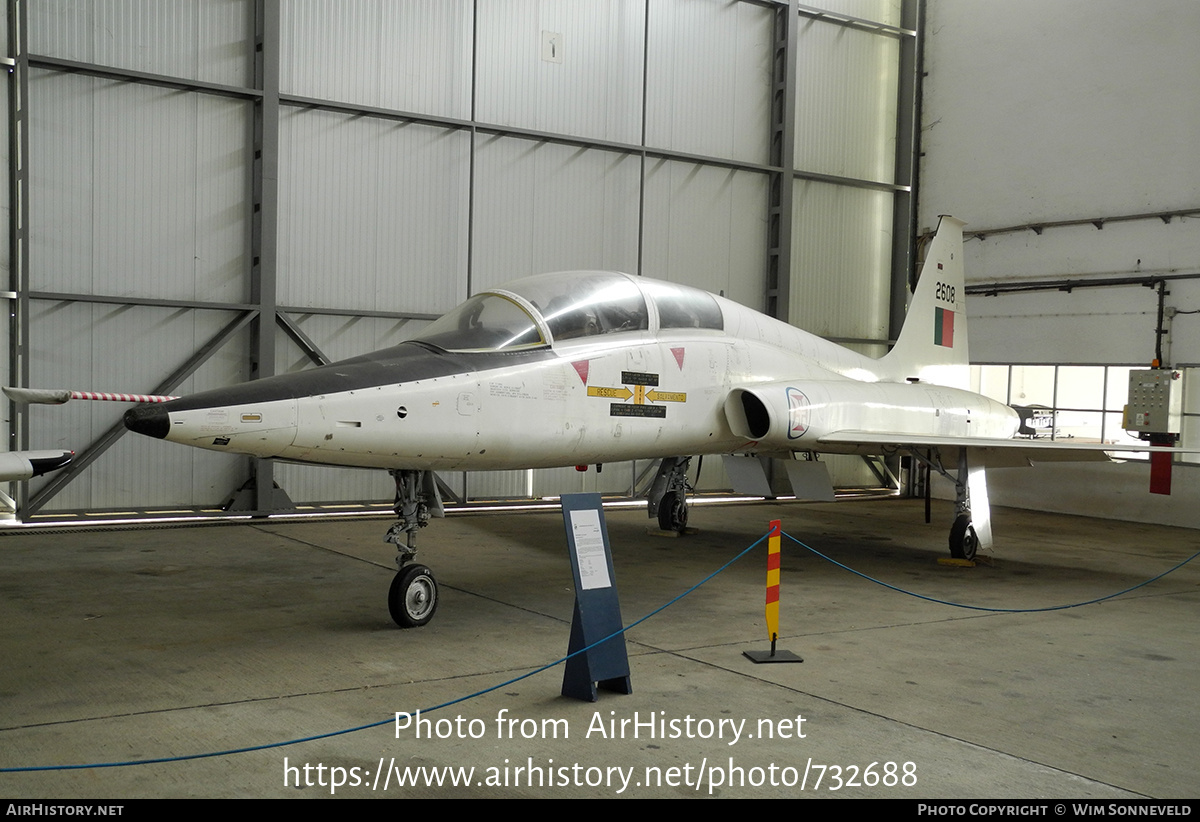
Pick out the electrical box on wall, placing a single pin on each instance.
(1155, 402)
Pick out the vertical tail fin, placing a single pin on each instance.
(932, 346)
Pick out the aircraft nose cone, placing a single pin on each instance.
(151, 420)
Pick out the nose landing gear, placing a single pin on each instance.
(413, 597)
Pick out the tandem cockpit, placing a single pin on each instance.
(548, 309)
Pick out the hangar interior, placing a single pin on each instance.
(197, 199)
(202, 193)
(339, 174)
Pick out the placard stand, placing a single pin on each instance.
(597, 608)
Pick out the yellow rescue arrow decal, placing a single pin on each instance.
(621, 393)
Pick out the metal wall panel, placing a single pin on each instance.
(323, 484)
(182, 38)
(846, 97)
(6, 236)
(841, 253)
(373, 213)
(115, 347)
(500, 484)
(562, 67)
(1029, 123)
(340, 337)
(615, 478)
(411, 56)
(545, 207)
(706, 227)
(1061, 122)
(144, 190)
(708, 86)
(877, 11)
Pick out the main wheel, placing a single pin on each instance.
(413, 598)
(673, 512)
(963, 542)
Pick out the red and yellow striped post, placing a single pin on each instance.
(772, 611)
(773, 540)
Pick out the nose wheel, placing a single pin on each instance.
(413, 598)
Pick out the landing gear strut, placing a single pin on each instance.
(964, 541)
(413, 597)
(668, 494)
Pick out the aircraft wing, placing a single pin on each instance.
(987, 452)
(23, 465)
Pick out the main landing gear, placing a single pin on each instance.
(964, 541)
(668, 494)
(413, 597)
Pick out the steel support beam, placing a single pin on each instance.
(908, 130)
(18, 236)
(781, 186)
(305, 343)
(264, 239)
(105, 441)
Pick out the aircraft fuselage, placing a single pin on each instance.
(755, 385)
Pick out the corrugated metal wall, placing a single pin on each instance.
(426, 150)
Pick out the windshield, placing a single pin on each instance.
(486, 322)
(573, 305)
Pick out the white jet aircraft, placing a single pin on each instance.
(591, 367)
(23, 465)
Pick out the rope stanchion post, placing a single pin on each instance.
(772, 608)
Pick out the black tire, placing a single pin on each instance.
(963, 541)
(413, 598)
(673, 512)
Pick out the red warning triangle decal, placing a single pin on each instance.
(678, 352)
(581, 368)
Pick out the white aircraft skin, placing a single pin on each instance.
(636, 394)
(23, 465)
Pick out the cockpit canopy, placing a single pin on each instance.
(549, 308)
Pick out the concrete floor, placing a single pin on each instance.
(156, 643)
